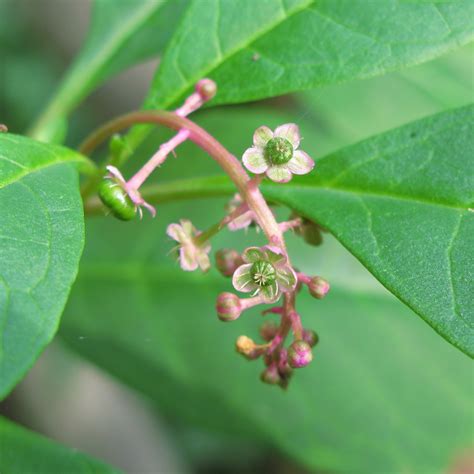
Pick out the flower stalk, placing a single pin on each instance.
(264, 273)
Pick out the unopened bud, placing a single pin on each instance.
(228, 307)
(268, 330)
(318, 287)
(310, 337)
(245, 346)
(271, 375)
(309, 230)
(299, 354)
(206, 88)
(227, 261)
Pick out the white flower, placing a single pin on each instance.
(276, 153)
(191, 254)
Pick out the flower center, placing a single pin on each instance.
(278, 151)
(263, 273)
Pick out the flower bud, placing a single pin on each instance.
(228, 307)
(318, 287)
(270, 375)
(227, 261)
(310, 337)
(310, 231)
(245, 346)
(206, 88)
(268, 330)
(299, 354)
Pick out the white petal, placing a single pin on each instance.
(291, 132)
(279, 174)
(203, 260)
(176, 232)
(241, 222)
(261, 136)
(301, 163)
(187, 259)
(242, 279)
(254, 160)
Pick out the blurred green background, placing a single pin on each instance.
(145, 377)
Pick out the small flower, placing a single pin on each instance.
(244, 220)
(191, 254)
(276, 153)
(265, 272)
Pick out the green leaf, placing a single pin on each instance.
(402, 203)
(121, 34)
(370, 402)
(22, 451)
(261, 49)
(41, 240)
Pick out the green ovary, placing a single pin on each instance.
(263, 273)
(278, 151)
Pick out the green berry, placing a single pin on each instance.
(116, 199)
(278, 151)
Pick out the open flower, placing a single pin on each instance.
(265, 272)
(191, 254)
(276, 153)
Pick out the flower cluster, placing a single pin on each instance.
(265, 274)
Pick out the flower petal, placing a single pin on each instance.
(279, 173)
(188, 227)
(253, 254)
(286, 278)
(301, 163)
(242, 279)
(270, 293)
(291, 132)
(203, 260)
(176, 232)
(187, 259)
(254, 160)
(274, 255)
(261, 136)
(241, 222)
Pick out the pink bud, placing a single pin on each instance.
(206, 88)
(318, 287)
(299, 354)
(270, 375)
(227, 261)
(228, 307)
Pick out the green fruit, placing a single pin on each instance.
(116, 199)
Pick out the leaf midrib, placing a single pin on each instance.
(29, 171)
(224, 57)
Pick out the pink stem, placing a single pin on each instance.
(303, 278)
(157, 159)
(288, 225)
(247, 303)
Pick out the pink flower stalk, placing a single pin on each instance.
(191, 254)
(276, 153)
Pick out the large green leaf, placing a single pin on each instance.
(266, 48)
(402, 202)
(24, 452)
(122, 33)
(371, 401)
(41, 240)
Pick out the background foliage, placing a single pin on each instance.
(134, 314)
